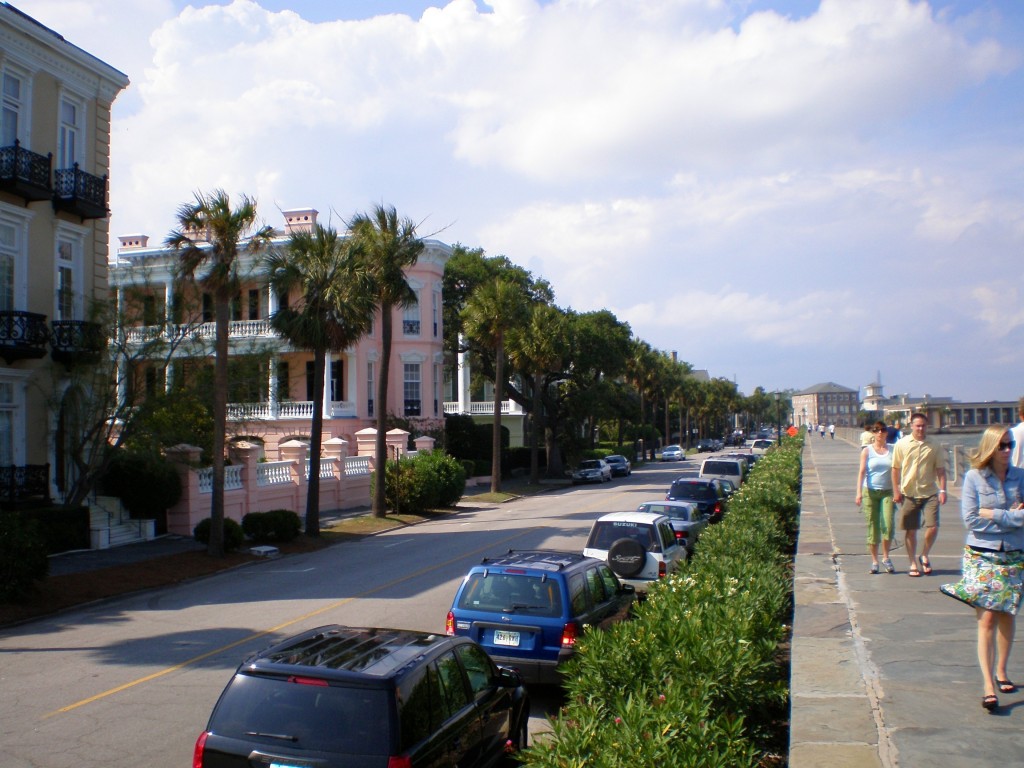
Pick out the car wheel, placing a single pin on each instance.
(626, 557)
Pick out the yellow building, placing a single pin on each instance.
(54, 162)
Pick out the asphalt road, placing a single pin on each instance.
(130, 682)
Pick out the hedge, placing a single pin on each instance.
(698, 677)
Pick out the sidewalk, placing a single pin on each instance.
(884, 667)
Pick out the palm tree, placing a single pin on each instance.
(491, 311)
(211, 235)
(389, 245)
(334, 311)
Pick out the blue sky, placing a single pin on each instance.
(784, 193)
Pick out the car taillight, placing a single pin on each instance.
(662, 570)
(569, 633)
(399, 761)
(718, 507)
(681, 535)
(300, 680)
(197, 753)
(449, 624)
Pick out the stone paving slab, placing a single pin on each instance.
(884, 668)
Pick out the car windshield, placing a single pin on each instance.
(276, 712)
(696, 491)
(511, 593)
(592, 464)
(668, 510)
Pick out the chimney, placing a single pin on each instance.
(299, 220)
(133, 241)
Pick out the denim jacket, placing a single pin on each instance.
(983, 489)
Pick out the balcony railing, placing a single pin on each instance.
(80, 193)
(31, 481)
(412, 407)
(25, 173)
(411, 327)
(485, 407)
(76, 342)
(237, 329)
(287, 410)
(23, 335)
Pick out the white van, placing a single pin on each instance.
(724, 468)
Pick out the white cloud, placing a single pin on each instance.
(762, 191)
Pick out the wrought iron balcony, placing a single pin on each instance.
(76, 342)
(23, 335)
(412, 407)
(29, 482)
(80, 193)
(25, 173)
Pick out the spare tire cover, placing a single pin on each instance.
(627, 557)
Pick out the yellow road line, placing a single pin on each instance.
(296, 620)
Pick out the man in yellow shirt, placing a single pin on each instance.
(918, 486)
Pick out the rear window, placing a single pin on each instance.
(607, 532)
(308, 717)
(508, 593)
(676, 513)
(695, 491)
(591, 464)
(720, 468)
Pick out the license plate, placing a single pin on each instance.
(501, 637)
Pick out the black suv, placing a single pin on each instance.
(527, 608)
(366, 698)
(709, 495)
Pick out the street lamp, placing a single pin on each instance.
(778, 417)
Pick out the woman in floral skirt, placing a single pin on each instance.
(992, 507)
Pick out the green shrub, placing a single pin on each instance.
(147, 484)
(426, 481)
(23, 559)
(233, 534)
(63, 528)
(694, 680)
(275, 525)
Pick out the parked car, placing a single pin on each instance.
(724, 466)
(673, 453)
(592, 471)
(343, 696)
(728, 486)
(639, 548)
(621, 466)
(748, 460)
(527, 608)
(705, 445)
(709, 495)
(761, 445)
(686, 519)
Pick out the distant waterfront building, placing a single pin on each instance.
(943, 412)
(826, 403)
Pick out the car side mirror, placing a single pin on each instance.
(627, 589)
(508, 678)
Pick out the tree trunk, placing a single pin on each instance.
(316, 433)
(220, 424)
(535, 427)
(380, 446)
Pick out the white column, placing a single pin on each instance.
(463, 382)
(272, 385)
(327, 386)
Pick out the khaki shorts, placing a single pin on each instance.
(911, 509)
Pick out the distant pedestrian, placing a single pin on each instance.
(867, 436)
(821, 428)
(832, 431)
(892, 433)
(1017, 459)
(992, 506)
(874, 496)
(919, 487)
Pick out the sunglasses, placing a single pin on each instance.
(1007, 446)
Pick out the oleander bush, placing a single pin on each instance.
(430, 480)
(234, 537)
(275, 525)
(699, 677)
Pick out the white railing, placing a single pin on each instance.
(237, 329)
(485, 407)
(273, 472)
(326, 469)
(232, 478)
(357, 465)
(289, 409)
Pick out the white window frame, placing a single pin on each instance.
(18, 219)
(411, 314)
(15, 406)
(77, 154)
(69, 239)
(414, 381)
(21, 104)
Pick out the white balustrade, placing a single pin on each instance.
(357, 465)
(273, 472)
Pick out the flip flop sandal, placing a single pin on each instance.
(1006, 686)
(926, 565)
(913, 571)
